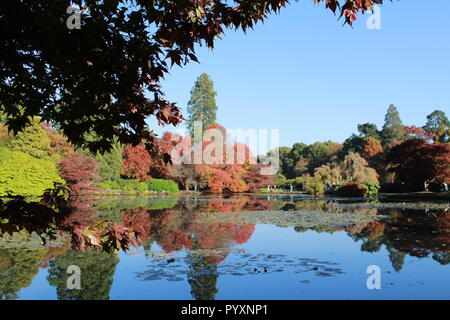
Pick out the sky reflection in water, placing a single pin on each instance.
(186, 256)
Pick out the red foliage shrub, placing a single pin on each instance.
(352, 190)
(256, 180)
(80, 172)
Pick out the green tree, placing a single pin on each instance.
(393, 129)
(314, 186)
(284, 158)
(439, 125)
(110, 163)
(320, 153)
(369, 130)
(33, 140)
(280, 179)
(202, 105)
(297, 163)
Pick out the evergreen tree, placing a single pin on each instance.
(202, 105)
(368, 130)
(439, 125)
(110, 163)
(393, 129)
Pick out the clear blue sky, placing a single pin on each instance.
(305, 74)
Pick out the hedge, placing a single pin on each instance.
(161, 185)
(157, 185)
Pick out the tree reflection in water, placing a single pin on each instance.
(202, 276)
(18, 267)
(97, 270)
(171, 224)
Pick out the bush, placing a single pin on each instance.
(314, 186)
(161, 185)
(128, 184)
(21, 174)
(142, 186)
(109, 185)
(372, 188)
(353, 190)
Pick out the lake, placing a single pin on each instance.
(242, 247)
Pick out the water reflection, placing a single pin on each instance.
(172, 225)
(97, 270)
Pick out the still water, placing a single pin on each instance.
(242, 247)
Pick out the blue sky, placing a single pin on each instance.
(305, 74)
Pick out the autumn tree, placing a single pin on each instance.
(414, 132)
(416, 163)
(80, 172)
(60, 148)
(355, 168)
(255, 180)
(136, 162)
(393, 129)
(227, 166)
(168, 145)
(222, 178)
(370, 148)
(105, 75)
